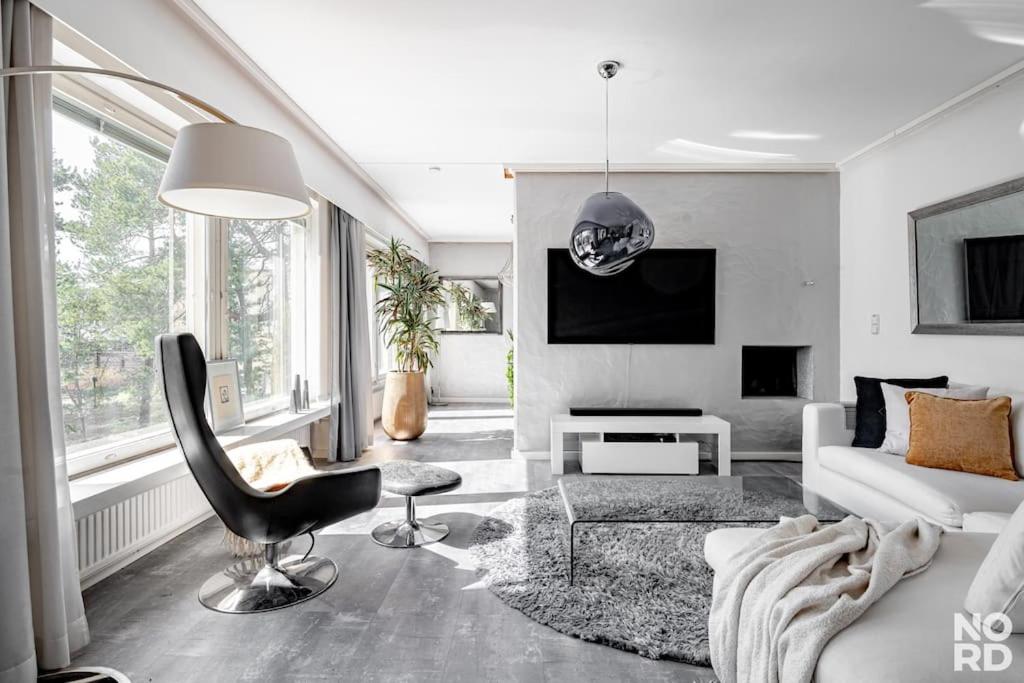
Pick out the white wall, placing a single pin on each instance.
(472, 366)
(158, 40)
(967, 149)
(773, 231)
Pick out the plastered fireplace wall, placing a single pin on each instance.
(773, 231)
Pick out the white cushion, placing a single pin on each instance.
(985, 522)
(897, 412)
(941, 495)
(999, 584)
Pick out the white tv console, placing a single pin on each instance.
(628, 424)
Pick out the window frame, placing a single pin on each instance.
(89, 458)
(378, 372)
(298, 361)
(206, 253)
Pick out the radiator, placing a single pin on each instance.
(115, 536)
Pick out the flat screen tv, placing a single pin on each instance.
(667, 296)
(994, 278)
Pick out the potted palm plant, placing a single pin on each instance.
(406, 318)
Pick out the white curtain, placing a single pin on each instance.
(351, 417)
(42, 620)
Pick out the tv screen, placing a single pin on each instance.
(994, 278)
(667, 296)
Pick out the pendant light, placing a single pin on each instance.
(611, 230)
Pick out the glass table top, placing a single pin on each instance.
(641, 498)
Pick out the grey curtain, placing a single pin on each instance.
(351, 417)
(42, 621)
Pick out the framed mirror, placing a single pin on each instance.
(967, 263)
(472, 305)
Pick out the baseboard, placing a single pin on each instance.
(783, 456)
(470, 399)
(534, 455)
(118, 561)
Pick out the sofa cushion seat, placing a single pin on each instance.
(907, 635)
(986, 522)
(940, 495)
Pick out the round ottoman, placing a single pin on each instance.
(410, 478)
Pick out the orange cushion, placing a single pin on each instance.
(965, 436)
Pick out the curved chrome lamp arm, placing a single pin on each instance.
(60, 69)
(197, 179)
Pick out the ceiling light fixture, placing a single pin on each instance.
(698, 151)
(773, 135)
(434, 169)
(507, 275)
(610, 230)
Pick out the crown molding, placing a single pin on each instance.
(791, 167)
(202, 21)
(962, 100)
(82, 46)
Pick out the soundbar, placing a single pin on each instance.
(637, 412)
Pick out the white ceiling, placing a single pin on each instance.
(471, 86)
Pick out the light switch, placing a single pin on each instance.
(875, 323)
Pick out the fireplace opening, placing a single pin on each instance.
(777, 372)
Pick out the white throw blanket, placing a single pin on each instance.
(784, 595)
(267, 466)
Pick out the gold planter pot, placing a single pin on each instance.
(404, 414)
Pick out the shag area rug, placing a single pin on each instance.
(639, 587)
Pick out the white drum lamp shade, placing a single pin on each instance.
(234, 171)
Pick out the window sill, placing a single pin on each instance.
(257, 410)
(93, 492)
(106, 455)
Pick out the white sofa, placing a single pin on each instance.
(883, 486)
(907, 636)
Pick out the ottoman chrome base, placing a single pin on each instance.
(409, 532)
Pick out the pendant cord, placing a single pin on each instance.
(606, 154)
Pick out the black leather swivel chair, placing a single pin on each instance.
(305, 505)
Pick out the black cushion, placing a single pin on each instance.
(870, 429)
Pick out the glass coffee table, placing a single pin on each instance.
(751, 499)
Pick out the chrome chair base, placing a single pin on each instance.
(409, 532)
(260, 586)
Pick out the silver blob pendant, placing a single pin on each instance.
(610, 231)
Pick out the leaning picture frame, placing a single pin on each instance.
(224, 395)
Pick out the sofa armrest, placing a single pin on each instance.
(824, 425)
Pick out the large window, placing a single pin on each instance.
(121, 273)
(129, 269)
(382, 358)
(261, 298)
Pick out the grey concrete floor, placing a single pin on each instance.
(393, 615)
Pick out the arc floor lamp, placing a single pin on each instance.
(221, 169)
